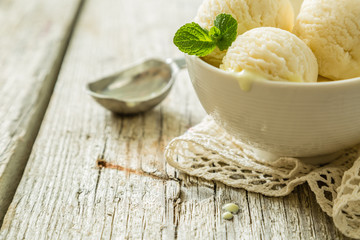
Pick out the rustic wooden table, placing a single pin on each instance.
(93, 175)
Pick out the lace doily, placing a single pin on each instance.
(207, 151)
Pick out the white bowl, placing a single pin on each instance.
(283, 118)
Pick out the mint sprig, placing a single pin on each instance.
(228, 27)
(195, 40)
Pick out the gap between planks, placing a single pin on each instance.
(12, 174)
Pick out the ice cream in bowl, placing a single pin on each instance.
(266, 91)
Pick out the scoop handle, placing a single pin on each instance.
(180, 62)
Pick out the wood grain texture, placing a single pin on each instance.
(94, 175)
(32, 43)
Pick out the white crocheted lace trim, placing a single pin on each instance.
(207, 151)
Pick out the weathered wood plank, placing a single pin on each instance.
(63, 192)
(94, 175)
(33, 40)
(296, 216)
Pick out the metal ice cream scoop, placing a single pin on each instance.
(137, 88)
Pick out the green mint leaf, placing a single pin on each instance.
(194, 40)
(228, 29)
(215, 33)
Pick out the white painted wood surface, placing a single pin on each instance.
(33, 37)
(94, 175)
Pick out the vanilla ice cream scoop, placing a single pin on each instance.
(331, 29)
(248, 13)
(274, 54)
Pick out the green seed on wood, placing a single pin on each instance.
(227, 215)
(231, 207)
